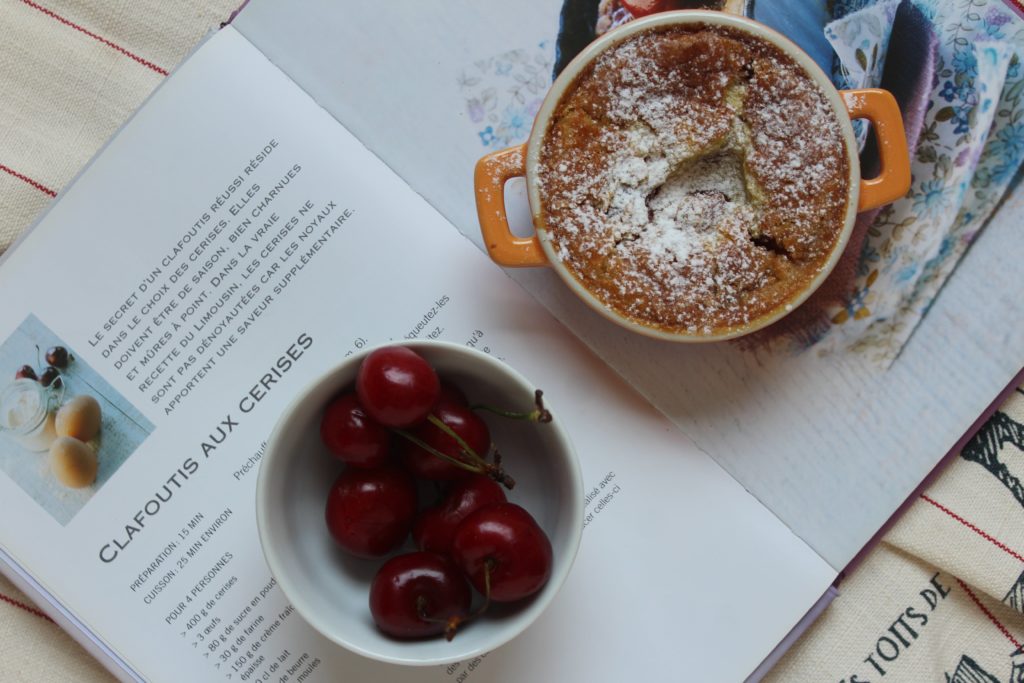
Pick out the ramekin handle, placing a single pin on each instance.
(504, 248)
(880, 108)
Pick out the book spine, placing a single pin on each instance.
(783, 647)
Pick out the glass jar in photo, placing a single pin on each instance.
(27, 412)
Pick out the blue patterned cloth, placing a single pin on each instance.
(504, 92)
(970, 149)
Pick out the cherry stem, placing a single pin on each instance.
(502, 477)
(452, 623)
(463, 446)
(538, 414)
(476, 469)
(494, 471)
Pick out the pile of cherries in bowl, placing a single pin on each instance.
(403, 431)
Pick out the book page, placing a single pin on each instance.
(228, 246)
(832, 444)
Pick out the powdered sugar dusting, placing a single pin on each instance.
(693, 180)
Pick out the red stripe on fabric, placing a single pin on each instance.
(27, 608)
(34, 183)
(1016, 5)
(999, 544)
(131, 55)
(991, 617)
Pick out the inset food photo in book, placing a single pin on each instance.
(65, 430)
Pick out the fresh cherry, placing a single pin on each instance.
(49, 376)
(463, 422)
(57, 356)
(418, 594)
(451, 395)
(641, 8)
(502, 547)
(435, 527)
(26, 372)
(350, 434)
(397, 386)
(370, 512)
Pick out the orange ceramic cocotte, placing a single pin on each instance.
(494, 170)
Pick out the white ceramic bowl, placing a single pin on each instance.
(330, 588)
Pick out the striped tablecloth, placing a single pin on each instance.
(71, 72)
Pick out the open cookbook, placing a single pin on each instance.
(300, 188)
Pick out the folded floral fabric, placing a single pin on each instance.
(861, 43)
(503, 93)
(970, 149)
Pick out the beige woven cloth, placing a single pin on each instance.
(71, 72)
(940, 599)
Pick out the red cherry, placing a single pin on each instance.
(58, 356)
(397, 387)
(416, 594)
(641, 8)
(370, 512)
(461, 420)
(26, 372)
(350, 434)
(49, 376)
(435, 527)
(506, 541)
(451, 395)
